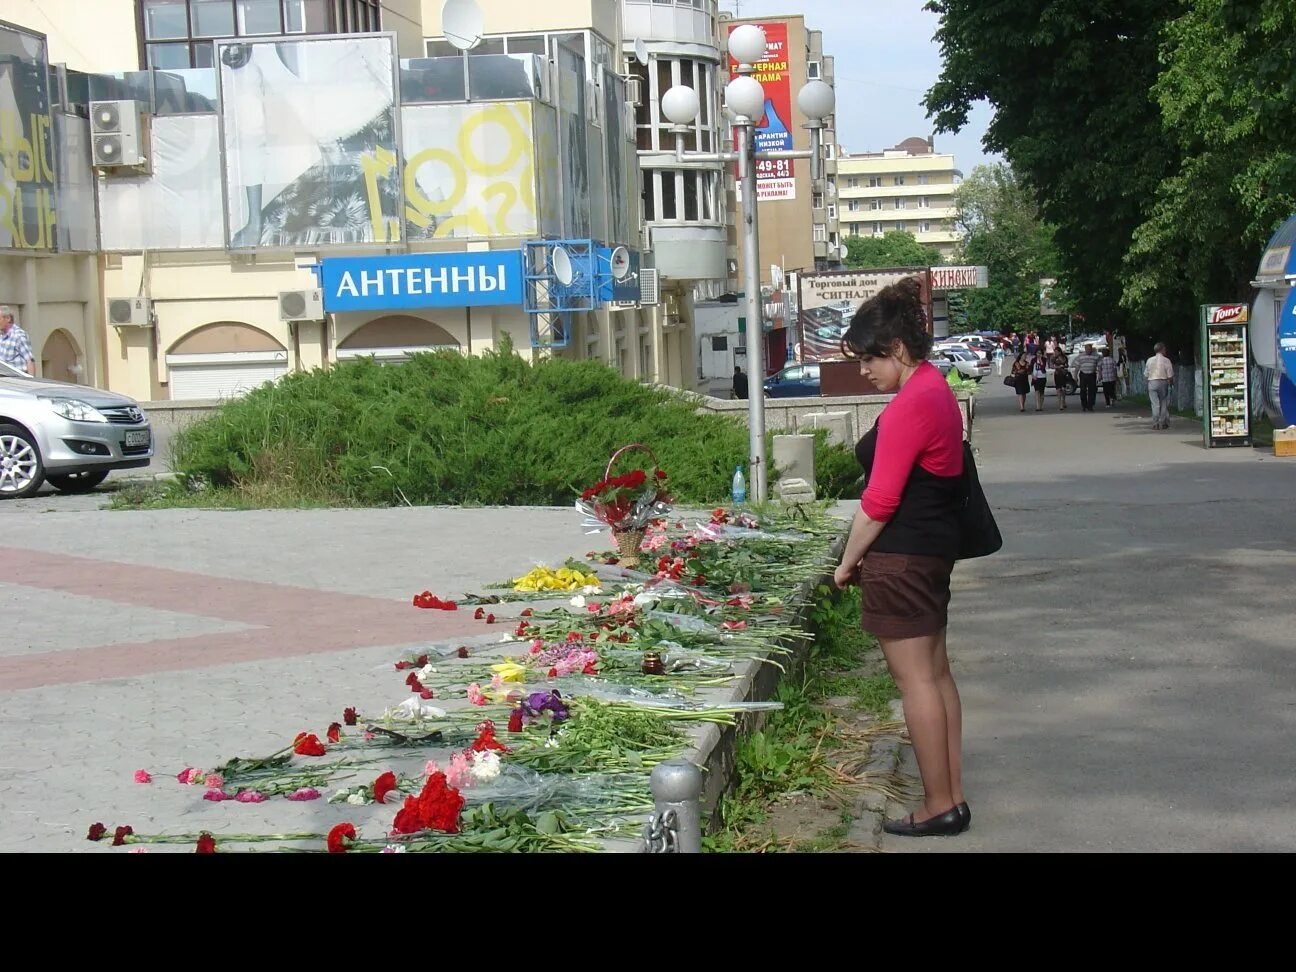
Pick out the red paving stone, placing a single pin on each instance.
(290, 621)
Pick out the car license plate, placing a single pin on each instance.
(137, 438)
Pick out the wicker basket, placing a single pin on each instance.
(628, 542)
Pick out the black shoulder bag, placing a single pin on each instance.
(979, 534)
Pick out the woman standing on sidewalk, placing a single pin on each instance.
(1021, 380)
(904, 541)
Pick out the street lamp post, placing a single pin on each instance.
(745, 100)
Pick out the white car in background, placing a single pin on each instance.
(967, 363)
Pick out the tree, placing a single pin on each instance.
(894, 249)
(1227, 95)
(1002, 231)
(1070, 82)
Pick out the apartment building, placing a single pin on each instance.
(909, 188)
(314, 180)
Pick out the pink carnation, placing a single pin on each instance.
(251, 796)
(460, 774)
(189, 775)
(214, 781)
(143, 776)
(368, 735)
(305, 793)
(217, 796)
(431, 768)
(475, 694)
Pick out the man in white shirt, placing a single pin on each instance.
(1160, 376)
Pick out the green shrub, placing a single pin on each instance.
(449, 429)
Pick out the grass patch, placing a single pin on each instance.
(444, 428)
(803, 752)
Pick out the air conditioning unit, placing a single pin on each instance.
(301, 305)
(649, 287)
(130, 312)
(634, 89)
(117, 134)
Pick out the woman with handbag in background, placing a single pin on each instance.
(1061, 378)
(1020, 380)
(1039, 379)
(906, 537)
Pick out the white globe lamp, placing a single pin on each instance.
(680, 105)
(747, 44)
(745, 97)
(817, 100)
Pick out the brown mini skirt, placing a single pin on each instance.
(904, 595)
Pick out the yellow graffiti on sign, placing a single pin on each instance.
(27, 207)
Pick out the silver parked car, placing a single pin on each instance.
(68, 435)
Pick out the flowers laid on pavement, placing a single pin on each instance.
(341, 837)
(430, 601)
(308, 744)
(543, 578)
(143, 776)
(206, 844)
(437, 807)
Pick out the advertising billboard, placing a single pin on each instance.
(28, 173)
(572, 144)
(469, 170)
(829, 299)
(775, 178)
(310, 144)
(476, 279)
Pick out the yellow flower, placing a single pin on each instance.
(510, 671)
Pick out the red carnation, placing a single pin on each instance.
(515, 720)
(479, 614)
(308, 744)
(349, 716)
(699, 580)
(334, 732)
(487, 741)
(415, 686)
(422, 661)
(119, 837)
(425, 693)
(521, 630)
(659, 474)
(462, 652)
(402, 665)
(589, 669)
(96, 832)
(437, 807)
(490, 619)
(553, 673)
(206, 844)
(340, 838)
(384, 785)
(412, 678)
(573, 636)
(527, 612)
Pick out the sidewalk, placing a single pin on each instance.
(1127, 663)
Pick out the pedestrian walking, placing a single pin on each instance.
(1107, 372)
(1061, 378)
(1021, 380)
(1086, 365)
(1160, 376)
(739, 383)
(905, 539)
(999, 361)
(15, 345)
(1039, 379)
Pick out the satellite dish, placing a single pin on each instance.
(641, 51)
(620, 261)
(562, 266)
(462, 22)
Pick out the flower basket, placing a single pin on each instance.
(627, 503)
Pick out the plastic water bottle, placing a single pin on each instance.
(739, 486)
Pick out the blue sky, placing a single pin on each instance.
(886, 60)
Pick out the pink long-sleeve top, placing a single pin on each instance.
(920, 431)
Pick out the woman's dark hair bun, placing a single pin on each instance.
(895, 313)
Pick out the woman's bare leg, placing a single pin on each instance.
(912, 662)
(953, 717)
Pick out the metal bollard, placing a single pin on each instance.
(676, 827)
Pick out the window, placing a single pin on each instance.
(900, 180)
(874, 182)
(852, 183)
(852, 205)
(875, 204)
(178, 34)
(900, 226)
(924, 179)
(922, 202)
(820, 233)
(855, 229)
(814, 70)
(817, 200)
(877, 229)
(832, 210)
(720, 342)
(899, 202)
(925, 226)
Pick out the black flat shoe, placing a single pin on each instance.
(948, 824)
(966, 814)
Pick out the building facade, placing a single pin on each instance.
(909, 188)
(278, 138)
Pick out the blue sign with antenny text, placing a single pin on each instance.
(478, 279)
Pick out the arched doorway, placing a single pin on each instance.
(223, 360)
(394, 338)
(60, 359)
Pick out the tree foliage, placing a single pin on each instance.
(1002, 231)
(1155, 135)
(893, 249)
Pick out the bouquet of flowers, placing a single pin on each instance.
(627, 503)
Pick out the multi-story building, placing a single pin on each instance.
(909, 188)
(397, 173)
